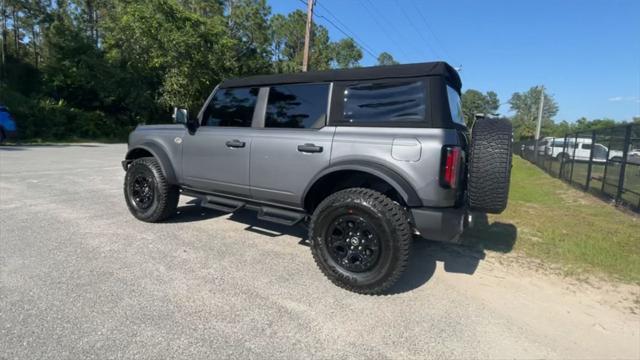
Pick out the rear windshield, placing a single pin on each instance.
(455, 106)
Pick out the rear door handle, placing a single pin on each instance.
(309, 148)
(235, 143)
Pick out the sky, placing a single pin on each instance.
(586, 53)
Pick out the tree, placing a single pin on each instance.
(346, 53)
(74, 66)
(287, 41)
(249, 26)
(386, 59)
(157, 41)
(474, 102)
(287, 36)
(526, 106)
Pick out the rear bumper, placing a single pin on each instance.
(440, 224)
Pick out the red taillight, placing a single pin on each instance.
(451, 163)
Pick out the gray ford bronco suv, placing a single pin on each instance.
(366, 158)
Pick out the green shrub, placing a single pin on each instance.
(48, 120)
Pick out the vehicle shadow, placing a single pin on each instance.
(463, 257)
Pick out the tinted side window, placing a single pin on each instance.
(455, 105)
(231, 107)
(398, 101)
(301, 106)
(586, 146)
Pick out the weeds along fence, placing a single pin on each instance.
(604, 162)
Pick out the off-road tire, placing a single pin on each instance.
(490, 165)
(165, 196)
(390, 221)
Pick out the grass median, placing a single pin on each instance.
(561, 225)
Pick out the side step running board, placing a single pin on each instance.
(221, 204)
(266, 213)
(280, 216)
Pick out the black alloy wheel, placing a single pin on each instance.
(353, 243)
(142, 191)
(148, 194)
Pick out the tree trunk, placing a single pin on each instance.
(34, 40)
(16, 31)
(90, 17)
(96, 20)
(3, 12)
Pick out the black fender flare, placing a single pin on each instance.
(402, 186)
(160, 154)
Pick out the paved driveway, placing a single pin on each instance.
(81, 278)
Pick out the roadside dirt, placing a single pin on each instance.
(586, 317)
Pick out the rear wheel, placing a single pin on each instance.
(148, 195)
(360, 240)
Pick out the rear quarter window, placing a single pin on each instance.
(455, 106)
(388, 102)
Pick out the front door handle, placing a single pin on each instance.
(309, 148)
(235, 143)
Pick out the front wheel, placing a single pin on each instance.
(360, 240)
(148, 195)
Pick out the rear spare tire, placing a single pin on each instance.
(490, 165)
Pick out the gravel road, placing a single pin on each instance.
(81, 278)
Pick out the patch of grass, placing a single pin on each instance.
(559, 224)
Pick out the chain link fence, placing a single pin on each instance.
(604, 162)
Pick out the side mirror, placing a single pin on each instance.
(180, 116)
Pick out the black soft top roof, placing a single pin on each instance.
(364, 73)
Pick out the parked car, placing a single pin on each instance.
(580, 149)
(7, 124)
(366, 157)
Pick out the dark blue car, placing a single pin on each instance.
(7, 124)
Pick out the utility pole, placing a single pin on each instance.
(535, 154)
(540, 112)
(307, 35)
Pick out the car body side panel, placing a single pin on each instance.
(209, 164)
(161, 140)
(376, 145)
(279, 171)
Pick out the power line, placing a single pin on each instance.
(417, 30)
(433, 34)
(373, 12)
(347, 35)
(342, 31)
(354, 36)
